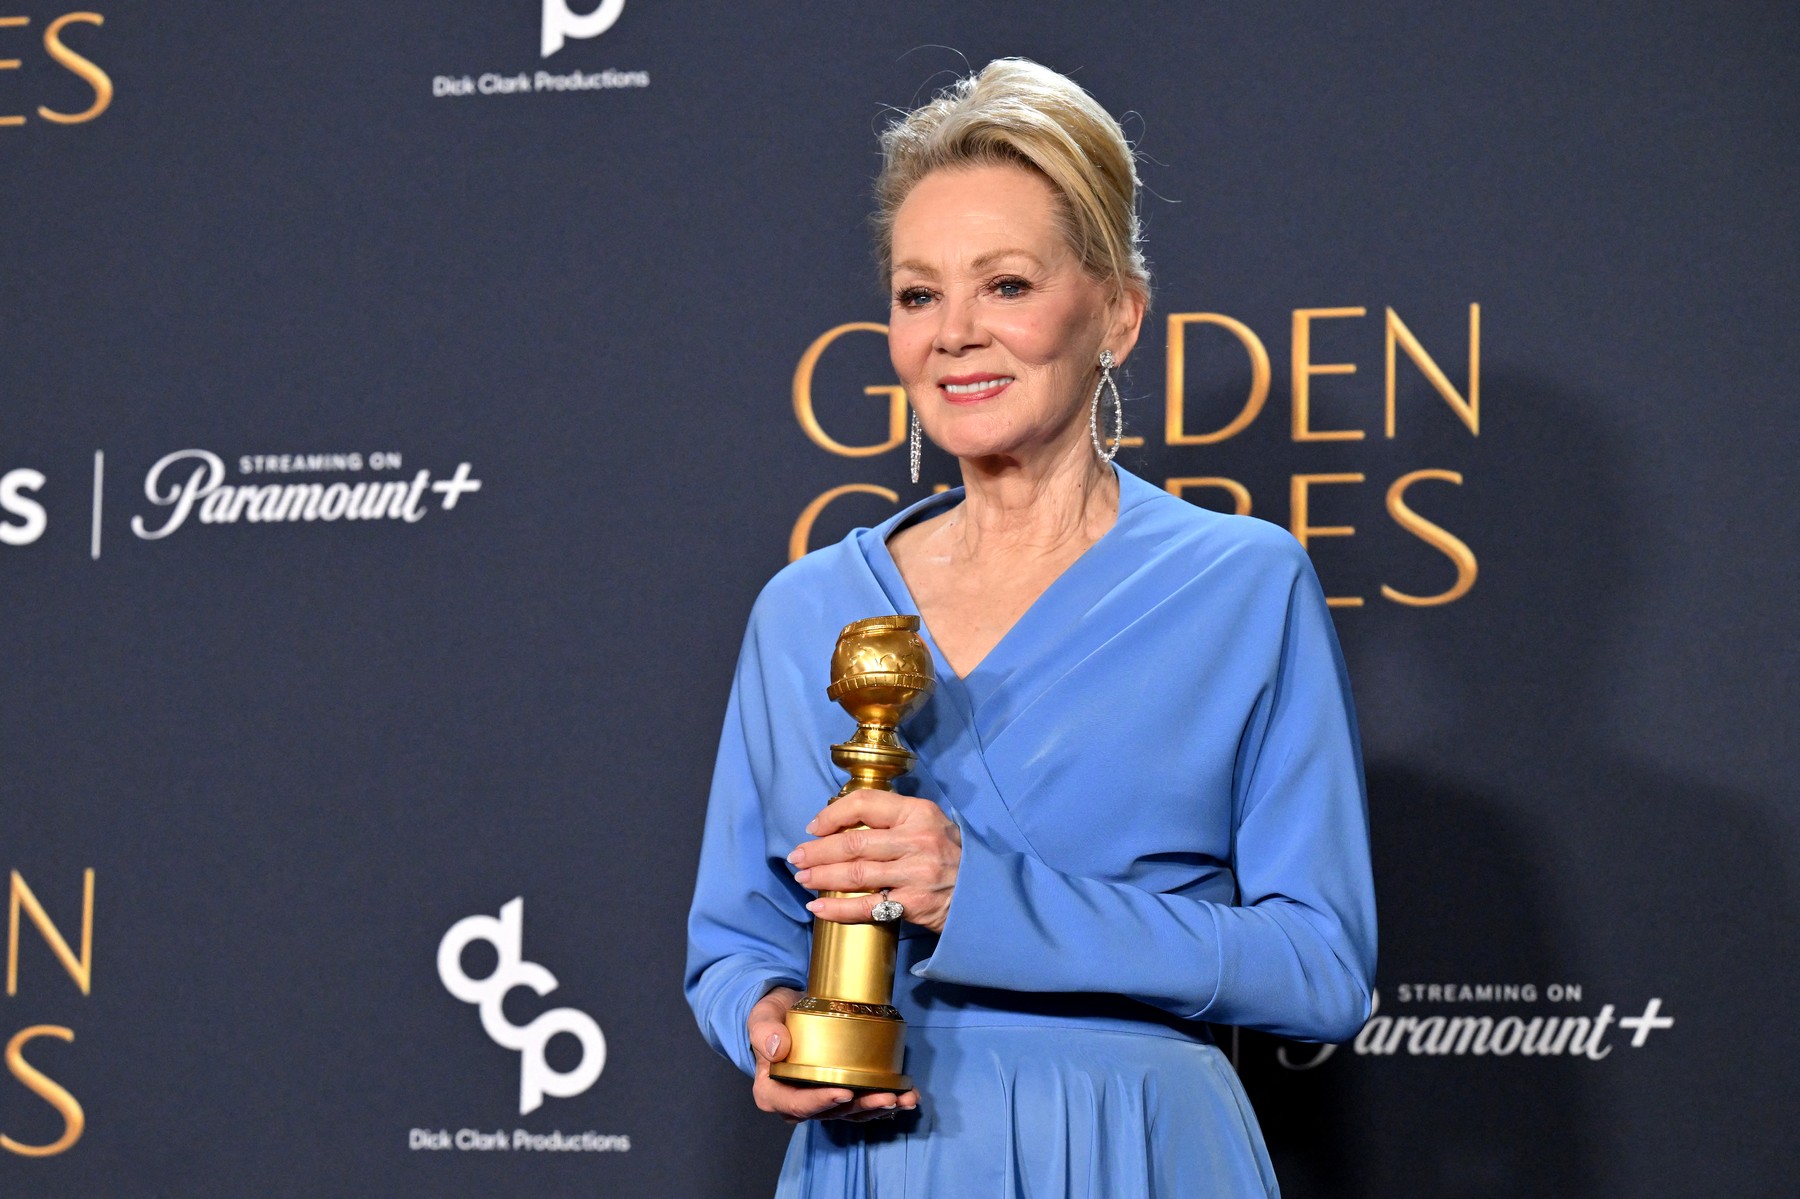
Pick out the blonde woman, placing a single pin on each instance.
(1139, 803)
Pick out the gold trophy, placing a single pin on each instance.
(846, 1031)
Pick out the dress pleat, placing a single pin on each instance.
(1046, 1113)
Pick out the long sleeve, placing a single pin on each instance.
(1294, 955)
(748, 926)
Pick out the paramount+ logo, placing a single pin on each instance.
(537, 1078)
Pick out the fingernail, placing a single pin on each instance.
(816, 906)
(774, 1043)
(891, 1107)
(794, 858)
(803, 877)
(812, 826)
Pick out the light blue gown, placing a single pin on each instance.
(1157, 778)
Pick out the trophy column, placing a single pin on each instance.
(846, 1031)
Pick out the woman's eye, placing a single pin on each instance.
(912, 297)
(1010, 288)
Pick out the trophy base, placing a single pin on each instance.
(830, 1076)
(841, 1049)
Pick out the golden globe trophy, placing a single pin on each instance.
(846, 1032)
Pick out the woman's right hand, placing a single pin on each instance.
(770, 1041)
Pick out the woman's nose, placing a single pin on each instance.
(959, 326)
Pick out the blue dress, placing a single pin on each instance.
(1157, 778)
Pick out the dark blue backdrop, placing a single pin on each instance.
(295, 752)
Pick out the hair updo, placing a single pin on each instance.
(1017, 112)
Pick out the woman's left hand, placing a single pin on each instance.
(910, 849)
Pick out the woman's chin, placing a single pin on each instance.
(1018, 447)
(985, 453)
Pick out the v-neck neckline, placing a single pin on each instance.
(994, 660)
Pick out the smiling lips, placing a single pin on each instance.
(968, 389)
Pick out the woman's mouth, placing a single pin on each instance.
(967, 389)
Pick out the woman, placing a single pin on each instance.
(1139, 804)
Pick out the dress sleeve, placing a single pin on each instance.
(1295, 956)
(748, 926)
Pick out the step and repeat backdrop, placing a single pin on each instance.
(401, 405)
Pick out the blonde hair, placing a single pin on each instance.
(1020, 113)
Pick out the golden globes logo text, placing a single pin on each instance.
(51, 45)
(1405, 493)
(22, 901)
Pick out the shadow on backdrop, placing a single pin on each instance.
(1515, 843)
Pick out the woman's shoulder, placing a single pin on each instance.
(818, 593)
(1204, 539)
(801, 584)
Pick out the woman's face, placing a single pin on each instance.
(996, 328)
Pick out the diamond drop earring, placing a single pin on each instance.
(1105, 383)
(915, 443)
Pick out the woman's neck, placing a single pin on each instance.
(1065, 498)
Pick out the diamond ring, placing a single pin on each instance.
(888, 910)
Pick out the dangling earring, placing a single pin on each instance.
(1107, 362)
(915, 442)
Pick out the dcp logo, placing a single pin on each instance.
(506, 935)
(559, 22)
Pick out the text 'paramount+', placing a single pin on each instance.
(191, 484)
(1464, 1031)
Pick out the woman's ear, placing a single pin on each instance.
(1127, 319)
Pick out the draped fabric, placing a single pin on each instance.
(1157, 779)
